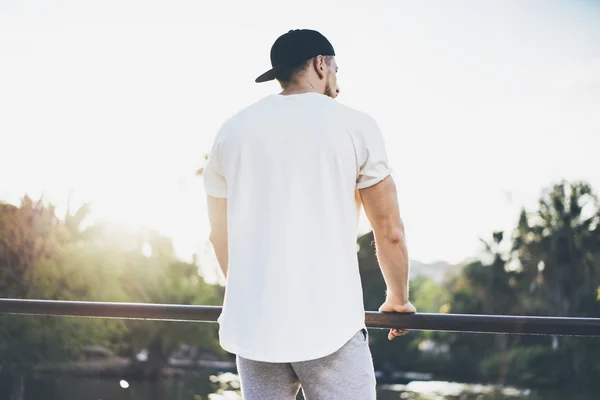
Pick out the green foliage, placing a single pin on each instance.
(29, 234)
(428, 295)
(165, 280)
(559, 250)
(44, 257)
(529, 366)
(32, 243)
(549, 265)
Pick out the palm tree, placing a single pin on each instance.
(559, 247)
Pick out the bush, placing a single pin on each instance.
(531, 366)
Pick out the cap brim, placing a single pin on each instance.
(267, 76)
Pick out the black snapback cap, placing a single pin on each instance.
(296, 46)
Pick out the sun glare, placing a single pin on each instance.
(174, 208)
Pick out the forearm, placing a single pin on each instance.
(392, 254)
(221, 251)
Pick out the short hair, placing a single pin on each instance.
(288, 73)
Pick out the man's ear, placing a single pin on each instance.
(319, 66)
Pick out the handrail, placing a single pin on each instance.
(421, 321)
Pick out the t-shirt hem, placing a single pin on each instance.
(374, 181)
(291, 357)
(213, 192)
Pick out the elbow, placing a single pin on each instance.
(395, 237)
(392, 234)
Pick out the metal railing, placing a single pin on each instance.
(421, 321)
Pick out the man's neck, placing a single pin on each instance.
(299, 88)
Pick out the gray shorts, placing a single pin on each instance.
(346, 374)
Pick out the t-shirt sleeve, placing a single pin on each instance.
(373, 165)
(215, 184)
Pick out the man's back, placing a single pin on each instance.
(283, 179)
(290, 167)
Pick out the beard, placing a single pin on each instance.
(329, 91)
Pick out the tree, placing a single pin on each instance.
(559, 249)
(34, 249)
(44, 257)
(552, 268)
(161, 278)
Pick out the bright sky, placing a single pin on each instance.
(482, 104)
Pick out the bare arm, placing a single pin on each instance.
(217, 215)
(380, 202)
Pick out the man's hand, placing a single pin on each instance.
(392, 306)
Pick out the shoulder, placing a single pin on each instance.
(357, 120)
(243, 117)
(250, 111)
(353, 115)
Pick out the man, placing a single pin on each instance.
(285, 180)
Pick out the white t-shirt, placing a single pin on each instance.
(290, 167)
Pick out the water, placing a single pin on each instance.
(225, 386)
